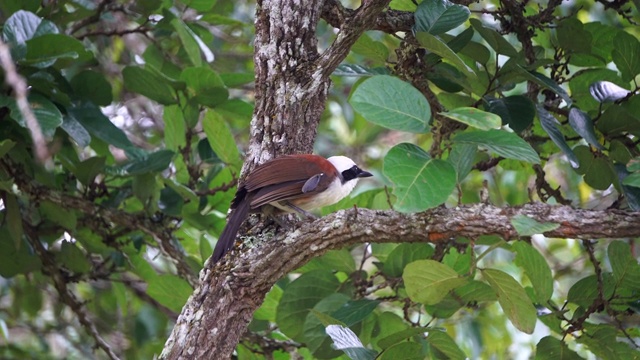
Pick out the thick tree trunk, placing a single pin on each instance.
(292, 80)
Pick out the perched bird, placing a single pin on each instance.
(290, 183)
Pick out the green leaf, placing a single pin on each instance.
(632, 180)
(98, 125)
(354, 311)
(92, 86)
(502, 143)
(59, 215)
(72, 258)
(339, 260)
(267, 311)
(582, 124)
(374, 51)
(445, 344)
(550, 348)
(494, 39)
(548, 83)
(47, 114)
(20, 27)
(399, 336)
(44, 51)
(16, 260)
(221, 139)
(428, 281)
(189, 41)
(154, 162)
(315, 336)
(537, 270)
(526, 226)
(390, 102)
(77, 132)
(585, 291)
(473, 117)
(516, 111)
(300, 296)
(438, 47)
(439, 16)
(572, 36)
(462, 157)
(404, 254)
(13, 218)
(174, 128)
(403, 351)
(420, 181)
(170, 291)
(626, 55)
(550, 124)
(237, 80)
(146, 83)
(513, 299)
(206, 85)
(626, 270)
(5, 146)
(87, 170)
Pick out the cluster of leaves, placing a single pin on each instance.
(96, 213)
(96, 220)
(480, 80)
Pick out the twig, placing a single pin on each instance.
(19, 85)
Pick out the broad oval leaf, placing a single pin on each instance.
(46, 112)
(550, 348)
(420, 181)
(390, 102)
(516, 111)
(537, 270)
(153, 162)
(626, 55)
(300, 296)
(494, 39)
(513, 299)
(502, 143)
(606, 91)
(582, 124)
(428, 281)
(170, 291)
(439, 16)
(208, 87)
(221, 139)
(474, 117)
(146, 83)
(625, 268)
(404, 254)
(445, 344)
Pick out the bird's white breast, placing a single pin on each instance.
(334, 193)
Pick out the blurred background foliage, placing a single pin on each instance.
(146, 106)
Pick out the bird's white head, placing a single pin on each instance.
(348, 169)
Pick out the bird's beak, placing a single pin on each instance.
(363, 173)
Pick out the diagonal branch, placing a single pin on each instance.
(356, 23)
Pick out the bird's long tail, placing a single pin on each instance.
(228, 236)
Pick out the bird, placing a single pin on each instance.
(289, 184)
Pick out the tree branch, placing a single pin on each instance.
(160, 233)
(217, 314)
(350, 30)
